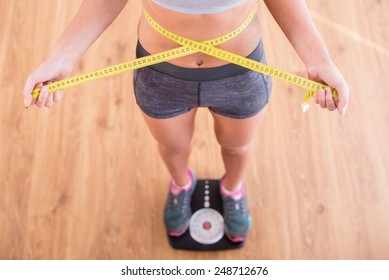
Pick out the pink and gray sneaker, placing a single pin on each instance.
(237, 218)
(177, 210)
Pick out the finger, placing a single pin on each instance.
(342, 102)
(35, 100)
(27, 90)
(49, 100)
(329, 99)
(57, 96)
(42, 97)
(315, 98)
(321, 98)
(342, 106)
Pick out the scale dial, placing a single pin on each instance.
(206, 226)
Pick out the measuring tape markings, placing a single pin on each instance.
(113, 70)
(140, 62)
(189, 46)
(254, 65)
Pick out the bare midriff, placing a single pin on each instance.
(200, 28)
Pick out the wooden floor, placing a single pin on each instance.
(83, 180)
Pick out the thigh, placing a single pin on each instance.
(162, 96)
(238, 97)
(234, 133)
(175, 132)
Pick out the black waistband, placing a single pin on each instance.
(201, 74)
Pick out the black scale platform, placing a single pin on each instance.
(206, 230)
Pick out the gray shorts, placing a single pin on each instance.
(165, 90)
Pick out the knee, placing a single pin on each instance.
(174, 148)
(238, 150)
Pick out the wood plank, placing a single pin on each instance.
(83, 180)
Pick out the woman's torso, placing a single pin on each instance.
(199, 27)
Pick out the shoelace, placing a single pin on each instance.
(232, 207)
(173, 202)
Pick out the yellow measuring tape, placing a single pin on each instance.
(189, 47)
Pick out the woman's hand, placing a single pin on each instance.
(49, 71)
(329, 74)
(295, 21)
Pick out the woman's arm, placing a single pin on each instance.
(93, 17)
(91, 20)
(295, 21)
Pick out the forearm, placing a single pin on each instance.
(93, 17)
(295, 21)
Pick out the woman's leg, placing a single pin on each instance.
(174, 137)
(236, 138)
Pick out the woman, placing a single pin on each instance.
(170, 93)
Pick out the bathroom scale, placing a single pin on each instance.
(206, 226)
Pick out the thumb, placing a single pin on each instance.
(343, 98)
(27, 90)
(342, 104)
(341, 109)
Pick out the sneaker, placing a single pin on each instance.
(177, 211)
(237, 218)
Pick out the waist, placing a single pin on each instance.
(200, 28)
(202, 74)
